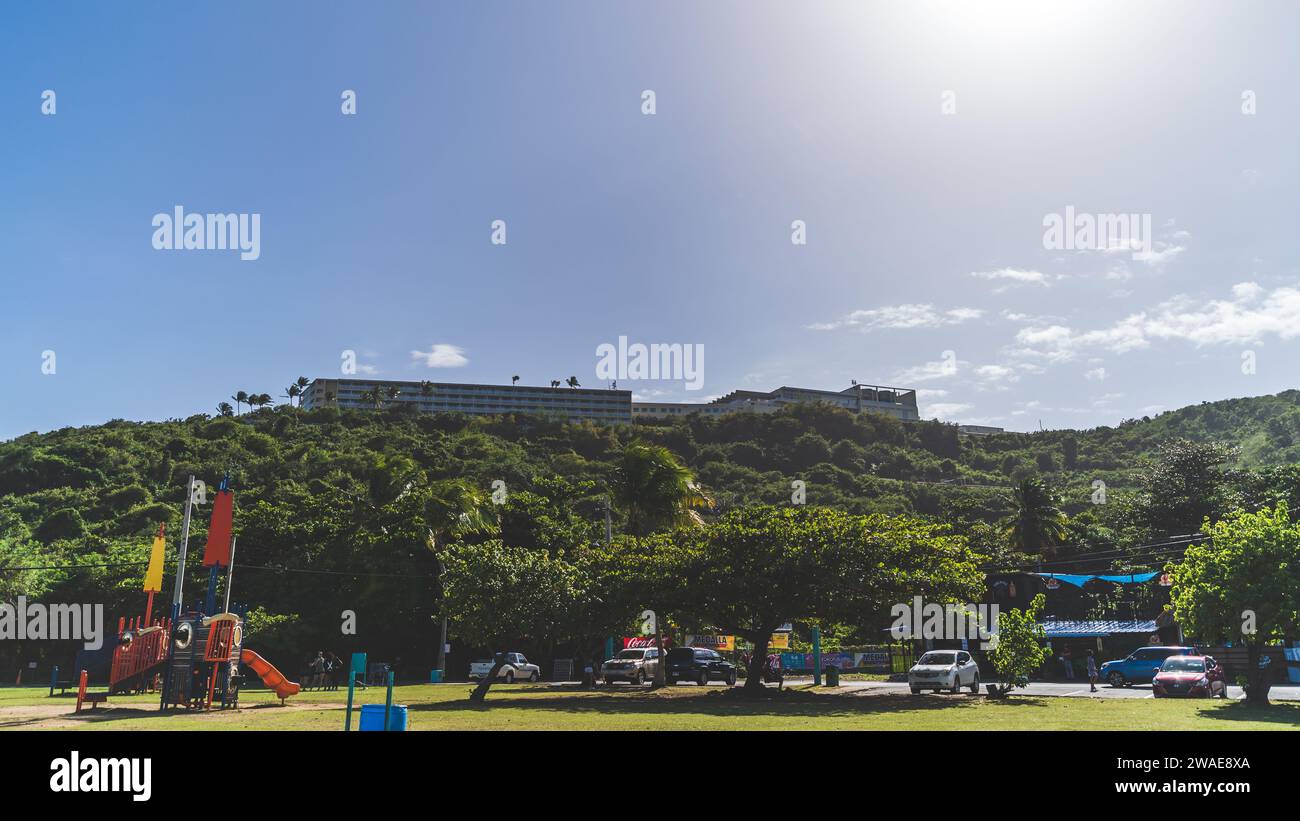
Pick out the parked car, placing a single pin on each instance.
(698, 664)
(1141, 665)
(1190, 676)
(948, 670)
(634, 665)
(515, 667)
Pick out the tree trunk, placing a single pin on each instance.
(1257, 678)
(480, 692)
(757, 663)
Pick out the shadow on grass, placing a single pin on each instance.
(721, 703)
(1275, 713)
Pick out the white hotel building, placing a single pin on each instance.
(595, 404)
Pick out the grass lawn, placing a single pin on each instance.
(540, 707)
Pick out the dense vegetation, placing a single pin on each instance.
(330, 492)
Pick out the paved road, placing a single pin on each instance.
(1068, 689)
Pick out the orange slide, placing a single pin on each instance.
(270, 676)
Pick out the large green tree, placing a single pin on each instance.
(759, 567)
(498, 594)
(1242, 586)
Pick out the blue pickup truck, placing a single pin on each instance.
(1141, 665)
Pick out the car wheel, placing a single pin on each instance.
(1116, 679)
(956, 684)
(703, 680)
(975, 685)
(731, 679)
(640, 677)
(510, 677)
(533, 677)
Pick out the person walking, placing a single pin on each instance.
(318, 669)
(1092, 672)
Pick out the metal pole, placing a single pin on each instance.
(352, 685)
(442, 648)
(817, 656)
(230, 572)
(388, 702)
(178, 588)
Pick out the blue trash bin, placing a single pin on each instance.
(372, 717)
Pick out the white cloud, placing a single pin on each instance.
(938, 369)
(911, 315)
(946, 410)
(441, 355)
(1095, 375)
(1251, 315)
(1015, 275)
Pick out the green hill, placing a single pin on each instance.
(321, 490)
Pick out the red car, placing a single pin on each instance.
(1190, 676)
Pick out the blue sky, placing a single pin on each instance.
(925, 237)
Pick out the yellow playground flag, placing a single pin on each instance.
(153, 576)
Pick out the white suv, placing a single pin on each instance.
(634, 665)
(944, 670)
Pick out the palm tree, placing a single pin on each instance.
(240, 398)
(225, 410)
(572, 382)
(656, 491)
(261, 399)
(329, 397)
(302, 382)
(374, 396)
(292, 392)
(392, 392)
(455, 509)
(1036, 524)
(555, 383)
(514, 380)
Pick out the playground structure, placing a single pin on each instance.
(194, 655)
(205, 647)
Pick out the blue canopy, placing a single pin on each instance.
(1080, 581)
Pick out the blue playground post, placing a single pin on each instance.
(609, 647)
(352, 682)
(388, 703)
(54, 677)
(817, 656)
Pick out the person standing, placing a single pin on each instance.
(1092, 672)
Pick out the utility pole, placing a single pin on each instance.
(609, 524)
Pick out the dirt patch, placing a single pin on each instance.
(64, 716)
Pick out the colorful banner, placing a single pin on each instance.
(153, 576)
(218, 550)
(723, 643)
